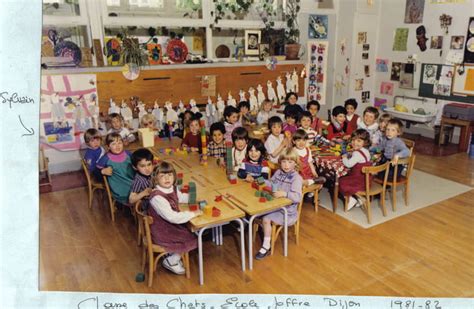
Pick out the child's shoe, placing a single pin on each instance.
(263, 252)
(351, 203)
(177, 268)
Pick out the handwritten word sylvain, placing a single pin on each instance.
(14, 98)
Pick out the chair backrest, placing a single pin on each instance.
(410, 144)
(146, 221)
(408, 162)
(86, 171)
(373, 170)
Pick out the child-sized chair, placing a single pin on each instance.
(410, 144)
(110, 197)
(92, 184)
(149, 248)
(402, 181)
(314, 188)
(372, 188)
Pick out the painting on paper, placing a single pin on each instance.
(359, 84)
(386, 88)
(381, 65)
(414, 11)
(429, 75)
(318, 26)
(400, 39)
(154, 53)
(436, 42)
(395, 73)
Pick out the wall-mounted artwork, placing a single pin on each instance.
(365, 96)
(318, 26)
(429, 75)
(386, 88)
(407, 75)
(436, 42)
(464, 84)
(316, 68)
(457, 41)
(367, 70)
(381, 65)
(395, 72)
(252, 39)
(400, 39)
(365, 47)
(365, 56)
(361, 37)
(414, 11)
(154, 53)
(359, 84)
(380, 102)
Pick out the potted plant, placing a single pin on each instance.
(292, 32)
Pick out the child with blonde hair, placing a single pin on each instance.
(286, 182)
(266, 112)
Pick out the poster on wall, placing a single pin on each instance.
(395, 72)
(429, 75)
(381, 65)
(69, 106)
(316, 68)
(317, 26)
(463, 84)
(386, 88)
(400, 39)
(414, 11)
(436, 42)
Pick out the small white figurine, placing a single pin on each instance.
(271, 95)
(220, 105)
(230, 100)
(280, 90)
(127, 114)
(171, 114)
(192, 104)
(253, 101)
(57, 111)
(211, 112)
(260, 95)
(181, 108)
(289, 83)
(294, 78)
(141, 111)
(158, 113)
(113, 107)
(242, 95)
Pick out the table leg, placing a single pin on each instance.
(335, 195)
(250, 241)
(242, 243)
(285, 241)
(441, 132)
(200, 259)
(463, 139)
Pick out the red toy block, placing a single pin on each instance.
(193, 207)
(262, 200)
(254, 185)
(218, 198)
(179, 175)
(233, 181)
(185, 189)
(268, 189)
(216, 212)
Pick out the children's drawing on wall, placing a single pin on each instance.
(421, 38)
(386, 88)
(395, 72)
(400, 39)
(362, 38)
(381, 65)
(446, 76)
(68, 108)
(366, 47)
(359, 84)
(429, 75)
(318, 26)
(380, 103)
(436, 42)
(406, 75)
(365, 96)
(365, 56)
(457, 42)
(316, 69)
(414, 11)
(441, 89)
(339, 83)
(367, 70)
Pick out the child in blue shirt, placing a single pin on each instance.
(94, 152)
(254, 164)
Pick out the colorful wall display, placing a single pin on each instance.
(316, 68)
(414, 11)
(318, 26)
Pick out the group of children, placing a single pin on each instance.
(285, 154)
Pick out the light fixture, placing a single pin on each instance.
(445, 22)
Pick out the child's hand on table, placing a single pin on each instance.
(249, 178)
(278, 194)
(107, 171)
(395, 159)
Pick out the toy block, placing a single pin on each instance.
(208, 210)
(262, 200)
(254, 185)
(179, 181)
(185, 189)
(179, 175)
(270, 197)
(258, 193)
(216, 212)
(193, 207)
(218, 198)
(260, 180)
(140, 277)
(192, 185)
(267, 189)
(192, 198)
(233, 181)
(202, 204)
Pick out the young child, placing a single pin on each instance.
(291, 100)
(149, 121)
(254, 164)
(351, 106)
(369, 122)
(312, 135)
(380, 133)
(192, 139)
(94, 152)
(360, 157)
(307, 169)
(240, 137)
(338, 130)
(276, 142)
(185, 118)
(142, 163)
(169, 229)
(216, 147)
(286, 182)
(116, 164)
(290, 122)
(246, 118)
(231, 121)
(313, 107)
(393, 147)
(266, 112)
(116, 124)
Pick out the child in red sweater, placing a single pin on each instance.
(339, 130)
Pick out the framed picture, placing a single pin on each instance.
(263, 51)
(457, 42)
(252, 39)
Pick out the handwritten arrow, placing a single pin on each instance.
(30, 132)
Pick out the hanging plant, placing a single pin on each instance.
(222, 7)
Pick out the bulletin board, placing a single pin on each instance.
(426, 89)
(464, 84)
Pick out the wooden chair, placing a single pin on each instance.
(110, 198)
(315, 189)
(138, 211)
(150, 249)
(402, 181)
(92, 184)
(410, 144)
(276, 229)
(372, 188)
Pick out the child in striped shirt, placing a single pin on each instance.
(142, 163)
(216, 147)
(254, 164)
(312, 135)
